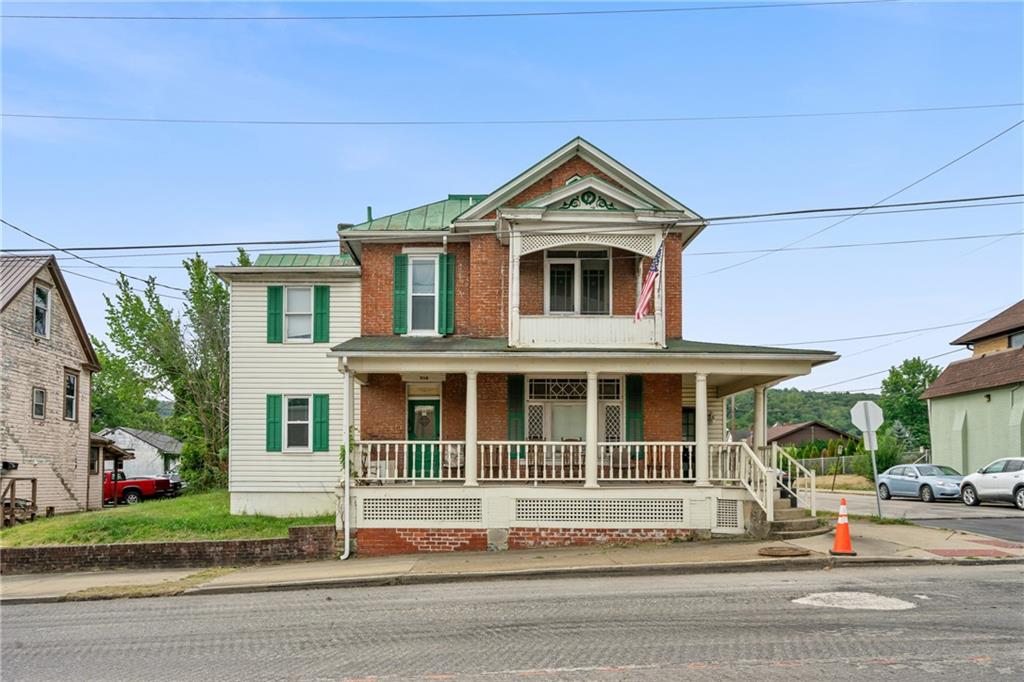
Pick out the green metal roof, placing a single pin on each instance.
(301, 260)
(462, 344)
(435, 216)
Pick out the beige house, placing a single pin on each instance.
(46, 366)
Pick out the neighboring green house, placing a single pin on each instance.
(976, 406)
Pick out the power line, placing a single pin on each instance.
(883, 371)
(99, 265)
(916, 205)
(504, 122)
(880, 201)
(858, 244)
(472, 15)
(113, 284)
(878, 336)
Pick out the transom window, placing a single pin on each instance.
(298, 313)
(573, 389)
(556, 409)
(41, 311)
(577, 282)
(423, 295)
(70, 396)
(38, 403)
(297, 423)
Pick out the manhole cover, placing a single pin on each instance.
(783, 551)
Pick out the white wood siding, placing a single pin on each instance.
(573, 331)
(716, 408)
(259, 368)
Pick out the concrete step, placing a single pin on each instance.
(785, 512)
(805, 523)
(794, 534)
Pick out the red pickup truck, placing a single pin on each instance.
(135, 490)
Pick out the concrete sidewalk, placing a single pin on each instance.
(874, 543)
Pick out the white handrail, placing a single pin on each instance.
(410, 460)
(758, 479)
(795, 478)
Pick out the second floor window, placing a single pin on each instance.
(298, 313)
(70, 396)
(1017, 340)
(577, 282)
(41, 312)
(38, 403)
(423, 295)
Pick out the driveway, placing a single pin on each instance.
(1003, 521)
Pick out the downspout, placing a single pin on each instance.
(344, 511)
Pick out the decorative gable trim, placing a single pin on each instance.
(589, 194)
(599, 159)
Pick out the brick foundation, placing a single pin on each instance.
(386, 541)
(532, 538)
(304, 543)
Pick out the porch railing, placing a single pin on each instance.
(531, 461)
(650, 461)
(409, 460)
(795, 478)
(758, 479)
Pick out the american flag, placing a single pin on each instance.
(647, 293)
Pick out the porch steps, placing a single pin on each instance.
(793, 522)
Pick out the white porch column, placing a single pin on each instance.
(702, 455)
(515, 247)
(470, 458)
(590, 468)
(760, 420)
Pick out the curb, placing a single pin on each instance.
(400, 579)
(597, 572)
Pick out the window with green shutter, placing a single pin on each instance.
(275, 314)
(446, 303)
(321, 422)
(635, 410)
(400, 295)
(273, 423)
(516, 412)
(321, 314)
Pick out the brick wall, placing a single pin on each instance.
(531, 284)
(382, 402)
(532, 538)
(556, 179)
(623, 282)
(385, 541)
(663, 407)
(304, 543)
(53, 450)
(488, 287)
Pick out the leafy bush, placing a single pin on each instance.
(197, 469)
(890, 453)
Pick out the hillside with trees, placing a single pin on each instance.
(791, 405)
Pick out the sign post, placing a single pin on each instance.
(867, 416)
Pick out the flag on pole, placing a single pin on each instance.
(647, 292)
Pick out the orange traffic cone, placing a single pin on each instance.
(842, 546)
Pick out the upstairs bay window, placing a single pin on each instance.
(577, 282)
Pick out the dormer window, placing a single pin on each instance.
(41, 311)
(577, 282)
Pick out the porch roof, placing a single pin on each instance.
(402, 345)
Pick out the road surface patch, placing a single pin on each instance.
(855, 600)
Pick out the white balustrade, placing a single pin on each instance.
(639, 461)
(531, 460)
(395, 461)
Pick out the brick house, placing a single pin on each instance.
(508, 396)
(47, 361)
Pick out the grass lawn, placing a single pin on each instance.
(203, 516)
(842, 482)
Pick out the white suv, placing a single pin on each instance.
(1002, 480)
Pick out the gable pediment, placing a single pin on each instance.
(588, 194)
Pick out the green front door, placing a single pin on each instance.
(424, 461)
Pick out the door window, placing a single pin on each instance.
(995, 467)
(689, 424)
(424, 422)
(1013, 465)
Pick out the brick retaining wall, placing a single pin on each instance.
(304, 543)
(386, 541)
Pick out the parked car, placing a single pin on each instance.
(137, 489)
(926, 482)
(1002, 481)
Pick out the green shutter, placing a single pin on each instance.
(442, 293)
(275, 314)
(321, 314)
(635, 409)
(274, 422)
(400, 298)
(321, 422)
(516, 411)
(448, 283)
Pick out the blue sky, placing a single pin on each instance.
(80, 183)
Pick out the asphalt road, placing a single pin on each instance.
(1011, 528)
(958, 621)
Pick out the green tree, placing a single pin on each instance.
(890, 452)
(121, 396)
(901, 397)
(185, 355)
